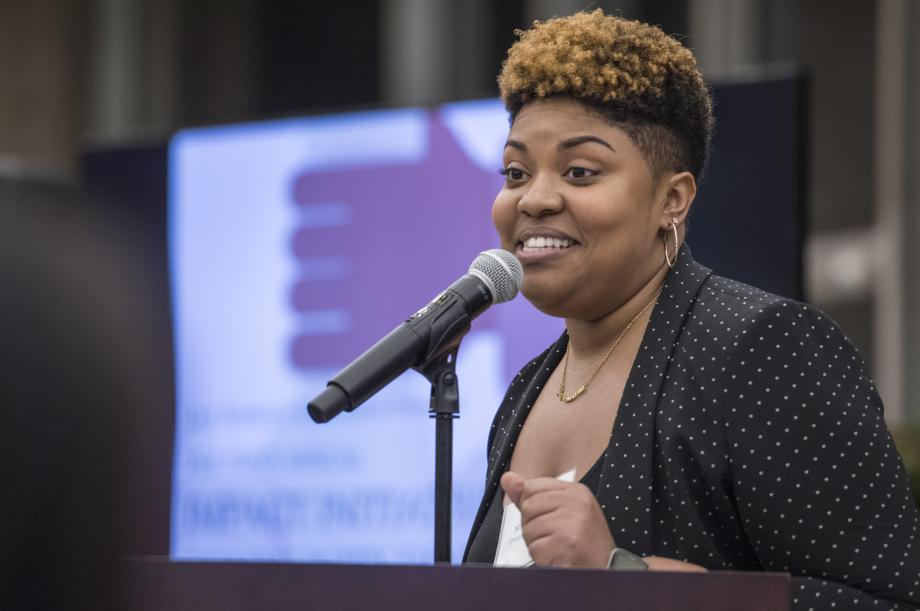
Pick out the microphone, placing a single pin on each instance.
(432, 332)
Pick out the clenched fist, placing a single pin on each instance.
(562, 523)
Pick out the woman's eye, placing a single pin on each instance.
(578, 172)
(512, 174)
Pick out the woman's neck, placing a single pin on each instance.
(592, 338)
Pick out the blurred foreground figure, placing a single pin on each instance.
(73, 373)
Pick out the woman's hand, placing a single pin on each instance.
(660, 563)
(562, 523)
(564, 526)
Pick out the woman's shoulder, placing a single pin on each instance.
(722, 305)
(743, 319)
(771, 333)
(757, 308)
(729, 293)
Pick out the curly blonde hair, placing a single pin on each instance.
(631, 73)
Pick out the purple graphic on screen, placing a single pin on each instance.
(377, 242)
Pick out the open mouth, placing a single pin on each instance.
(545, 244)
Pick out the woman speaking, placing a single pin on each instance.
(711, 425)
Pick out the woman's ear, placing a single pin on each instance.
(679, 192)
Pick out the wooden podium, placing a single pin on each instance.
(163, 585)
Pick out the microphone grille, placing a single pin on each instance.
(501, 271)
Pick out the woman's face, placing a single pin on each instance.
(578, 209)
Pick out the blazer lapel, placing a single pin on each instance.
(626, 482)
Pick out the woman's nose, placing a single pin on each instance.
(540, 199)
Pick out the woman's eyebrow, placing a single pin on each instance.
(565, 144)
(577, 140)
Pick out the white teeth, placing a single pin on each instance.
(547, 242)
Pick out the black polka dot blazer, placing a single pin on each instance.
(749, 437)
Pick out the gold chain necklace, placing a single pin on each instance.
(565, 362)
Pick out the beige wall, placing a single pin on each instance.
(41, 62)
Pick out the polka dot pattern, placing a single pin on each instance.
(749, 437)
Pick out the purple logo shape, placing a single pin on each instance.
(379, 242)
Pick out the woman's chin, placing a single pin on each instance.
(548, 300)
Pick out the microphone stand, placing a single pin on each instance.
(443, 407)
(435, 331)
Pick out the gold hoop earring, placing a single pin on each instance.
(664, 238)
